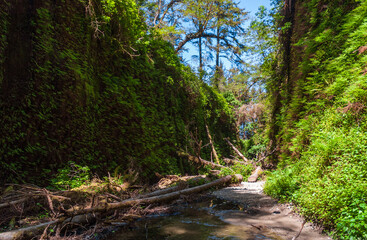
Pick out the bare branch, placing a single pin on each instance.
(169, 6)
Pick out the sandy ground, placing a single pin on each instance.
(265, 214)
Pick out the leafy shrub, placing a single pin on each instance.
(281, 184)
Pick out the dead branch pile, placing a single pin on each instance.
(66, 212)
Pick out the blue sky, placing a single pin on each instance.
(253, 5)
(250, 6)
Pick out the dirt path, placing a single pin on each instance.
(264, 213)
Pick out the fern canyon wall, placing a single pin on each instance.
(308, 39)
(317, 117)
(129, 108)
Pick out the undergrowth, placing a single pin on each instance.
(329, 181)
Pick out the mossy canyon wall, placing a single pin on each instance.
(319, 118)
(85, 81)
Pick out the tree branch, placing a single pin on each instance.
(169, 6)
(191, 36)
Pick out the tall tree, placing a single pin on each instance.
(184, 21)
(229, 31)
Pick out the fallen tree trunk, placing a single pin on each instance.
(26, 233)
(204, 162)
(83, 216)
(32, 231)
(212, 144)
(255, 175)
(162, 191)
(150, 200)
(8, 204)
(232, 161)
(237, 151)
(24, 199)
(199, 160)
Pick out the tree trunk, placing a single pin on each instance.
(199, 160)
(200, 53)
(232, 161)
(26, 233)
(255, 175)
(212, 144)
(82, 216)
(218, 49)
(8, 204)
(162, 191)
(151, 200)
(217, 72)
(237, 151)
(32, 231)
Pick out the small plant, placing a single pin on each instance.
(196, 182)
(72, 176)
(238, 168)
(118, 180)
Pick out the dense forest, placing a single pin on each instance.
(100, 88)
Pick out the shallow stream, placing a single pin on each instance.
(197, 221)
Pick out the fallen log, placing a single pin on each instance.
(214, 172)
(199, 160)
(212, 144)
(8, 204)
(204, 162)
(150, 200)
(255, 175)
(162, 191)
(237, 151)
(24, 199)
(32, 231)
(26, 233)
(232, 161)
(88, 215)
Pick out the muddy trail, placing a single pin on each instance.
(266, 214)
(240, 212)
